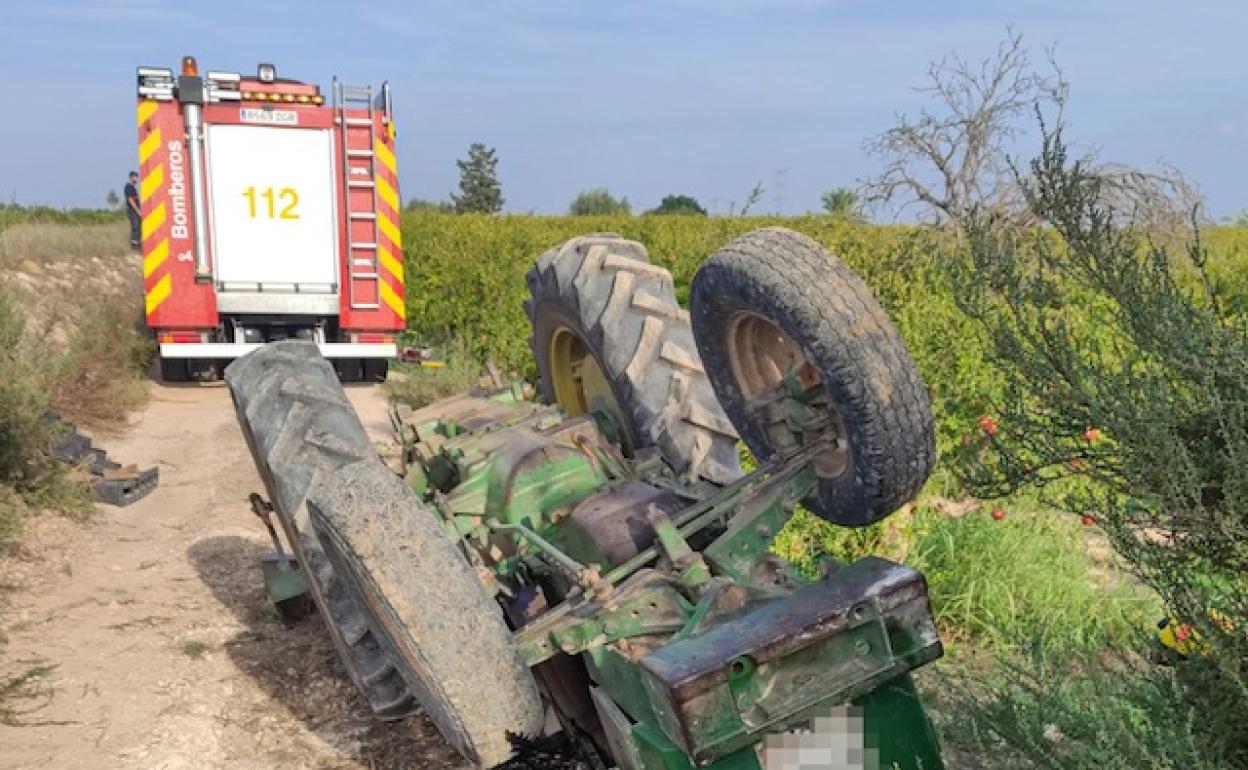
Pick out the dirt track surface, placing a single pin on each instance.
(165, 651)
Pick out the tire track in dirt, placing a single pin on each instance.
(166, 652)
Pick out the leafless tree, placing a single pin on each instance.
(1158, 199)
(952, 159)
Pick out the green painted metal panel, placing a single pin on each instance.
(896, 725)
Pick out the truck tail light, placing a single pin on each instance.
(177, 337)
(372, 338)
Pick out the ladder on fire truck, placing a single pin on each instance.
(359, 168)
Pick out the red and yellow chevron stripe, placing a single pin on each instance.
(155, 235)
(390, 243)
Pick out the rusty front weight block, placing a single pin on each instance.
(774, 666)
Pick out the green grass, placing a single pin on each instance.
(1093, 712)
(12, 215)
(418, 386)
(1025, 582)
(194, 649)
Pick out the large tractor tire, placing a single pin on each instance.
(411, 621)
(609, 334)
(427, 608)
(775, 301)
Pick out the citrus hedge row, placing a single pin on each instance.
(14, 214)
(465, 279)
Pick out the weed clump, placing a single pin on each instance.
(418, 386)
(29, 476)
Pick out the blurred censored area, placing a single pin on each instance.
(831, 742)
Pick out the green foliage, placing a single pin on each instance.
(1124, 371)
(751, 200)
(1097, 712)
(420, 204)
(1024, 582)
(679, 204)
(1239, 219)
(806, 538)
(100, 376)
(112, 199)
(419, 386)
(13, 214)
(69, 342)
(194, 649)
(598, 202)
(842, 202)
(479, 189)
(29, 476)
(465, 279)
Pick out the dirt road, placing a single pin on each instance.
(164, 651)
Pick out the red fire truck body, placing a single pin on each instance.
(268, 214)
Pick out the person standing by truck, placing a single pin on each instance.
(132, 208)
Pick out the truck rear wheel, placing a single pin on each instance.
(775, 301)
(376, 369)
(345, 514)
(608, 334)
(175, 370)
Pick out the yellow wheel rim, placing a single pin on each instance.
(579, 382)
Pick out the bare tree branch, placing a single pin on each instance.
(951, 159)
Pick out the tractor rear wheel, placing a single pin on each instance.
(427, 609)
(609, 336)
(773, 302)
(411, 621)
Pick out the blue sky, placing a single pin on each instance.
(647, 98)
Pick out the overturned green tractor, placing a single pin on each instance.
(598, 564)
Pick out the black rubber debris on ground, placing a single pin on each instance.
(112, 482)
(553, 752)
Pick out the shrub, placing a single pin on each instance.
(679, 204)
(1096, 712)
(29, 476)
(1125, 382)
(598, 202)
(70, 341)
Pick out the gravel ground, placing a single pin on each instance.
(150, 623)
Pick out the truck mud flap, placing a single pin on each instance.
(772, 667)
(112, 482)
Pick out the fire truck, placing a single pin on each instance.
(268, 214)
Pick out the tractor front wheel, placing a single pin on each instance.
(773, 304)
